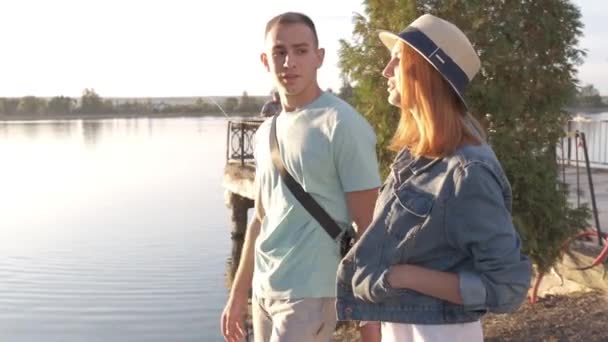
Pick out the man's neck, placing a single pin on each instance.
(291, 103)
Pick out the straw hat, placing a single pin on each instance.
(443, 45)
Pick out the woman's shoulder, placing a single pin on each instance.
(478, 161)
(474, 154)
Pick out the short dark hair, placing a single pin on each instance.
(293, 18)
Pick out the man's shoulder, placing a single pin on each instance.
(264, 128)
(341, 113)
(339, 106)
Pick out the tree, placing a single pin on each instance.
(346, 91)
(200, 106)
(60, 105)
(91, 102)
(362, 62)
(247, 104)
(31, 105)
(8, 106)
(230, 104)
(588, 91)
(588, 96)
(529, 57)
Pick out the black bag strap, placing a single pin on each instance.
(313, 208)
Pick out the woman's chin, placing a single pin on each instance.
(393, 101)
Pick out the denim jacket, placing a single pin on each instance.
(449, 214)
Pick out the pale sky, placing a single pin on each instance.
(184, 47)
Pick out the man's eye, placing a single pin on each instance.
(301, 51)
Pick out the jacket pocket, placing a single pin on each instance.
(410, 210)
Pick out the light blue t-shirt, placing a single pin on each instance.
(329, 149)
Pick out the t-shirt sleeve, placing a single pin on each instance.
(354, 150)
(262, 133)
(265, 108)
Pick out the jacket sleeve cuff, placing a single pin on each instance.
(382, 289)
(472, 291)
(374, 288)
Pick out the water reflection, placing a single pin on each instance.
(92, 129)
(62, 129)
(125, 241)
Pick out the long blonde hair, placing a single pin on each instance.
(442, 123)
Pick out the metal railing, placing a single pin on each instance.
(577, 141)
(596, 134)
(239, 140)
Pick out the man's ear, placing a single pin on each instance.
(320, 56)
(264, 59)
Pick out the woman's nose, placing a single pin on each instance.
(388, 71)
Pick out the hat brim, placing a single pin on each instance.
(389, 39)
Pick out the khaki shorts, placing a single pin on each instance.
(298, 320)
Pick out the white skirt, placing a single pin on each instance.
(461, 332)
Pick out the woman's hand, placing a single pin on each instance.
(442, 285)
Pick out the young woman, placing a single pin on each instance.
(441, 249)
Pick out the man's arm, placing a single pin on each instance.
(234, 314)
(361, 206)
(244, 274)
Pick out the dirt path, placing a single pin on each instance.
(574, 317)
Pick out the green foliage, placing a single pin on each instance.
(60, 105)
(529, 55)
(131, 107)
(346, 91)
(31, 105)
(247, 104)
(230, 104)
(363, 61)
(8, 106)
(201, 106)
(91, 103)
(588, 97)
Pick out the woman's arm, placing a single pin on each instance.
(442, 285)
(479, 225)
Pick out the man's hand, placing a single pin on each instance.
(233, 317)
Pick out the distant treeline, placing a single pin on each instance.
(91, 103)
(589, 97)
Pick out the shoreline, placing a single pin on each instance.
(55, 117)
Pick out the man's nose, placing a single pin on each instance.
(289, 61)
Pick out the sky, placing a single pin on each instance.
(158, 48)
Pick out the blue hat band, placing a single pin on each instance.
(436, 56)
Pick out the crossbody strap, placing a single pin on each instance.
(313, 208)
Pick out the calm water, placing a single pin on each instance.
(112, 230)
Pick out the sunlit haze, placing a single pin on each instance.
(184, 47)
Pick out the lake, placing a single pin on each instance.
(112, 230)
(115, 230)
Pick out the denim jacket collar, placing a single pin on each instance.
(405, 162)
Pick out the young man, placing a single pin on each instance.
(329, 148)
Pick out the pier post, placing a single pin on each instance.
(238, 206)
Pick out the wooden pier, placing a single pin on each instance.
(239, 176)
